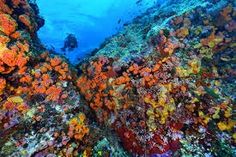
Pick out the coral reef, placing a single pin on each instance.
(163, 86)
(38, 97)
(169, 92)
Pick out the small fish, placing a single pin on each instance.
(138, 2)
(225, 58)
(119, 21)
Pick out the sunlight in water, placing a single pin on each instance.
(90, 20)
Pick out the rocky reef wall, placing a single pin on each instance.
(162, 81)
(164, 86)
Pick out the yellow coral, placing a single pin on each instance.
(181, 72)
(226, 126)
(162, 108)
(77, 128)
(228, 112)
(234, 137)
(216, 114)
(222, 126)
(15, 99)
(193, 67)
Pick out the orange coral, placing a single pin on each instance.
(226, 12)
(46, 80)
(16, 2)
(4, 7)
(53, 93)
(47, 76)
(9, 58)
(134, 69)
(8, 106)
(166, 46)
(40, 89)
(22, 70)
(212, 40)
(26, 21)
(26, 79)
(99, 82)
(2, 84)
(15, 56)
(169, 48)
(122, 80)
(77, 128)
(41, 77)
(7, 24)
(21, 60)
(15, 103)
(182, 32)
(156, 67)
(4, 39)
(55, 61)
(37, 74)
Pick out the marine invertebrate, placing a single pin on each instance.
(212, 40)
(182, 32)
(166, 45)
(226, 12)
(4, 7)
(55, 61)
(77, 127)
(26, 21)
(53, 93)
(7, 24)
(2, 85)
(13, 57)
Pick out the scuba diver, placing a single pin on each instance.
(70, 43)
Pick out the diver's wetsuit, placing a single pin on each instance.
(70, 43)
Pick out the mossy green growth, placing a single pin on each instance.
(198, 30)
(191, 148)
(206, 52)
(8, 148)
(104, 147)
(212, 93)
(222, 148)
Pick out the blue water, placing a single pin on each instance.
(92, 21)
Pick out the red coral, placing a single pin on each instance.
(130, 141)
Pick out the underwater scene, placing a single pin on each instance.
(117, 78)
